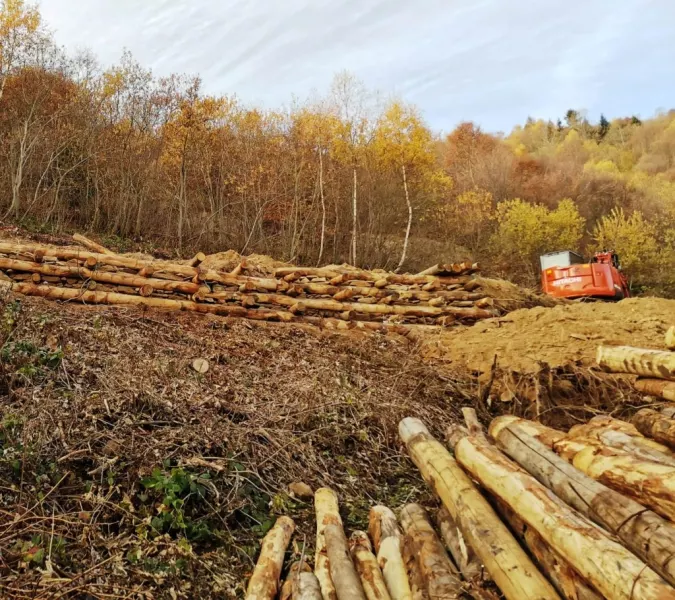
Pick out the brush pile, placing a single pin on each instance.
(531, 511)
(335, 297)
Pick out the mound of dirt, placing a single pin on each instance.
(526, 340)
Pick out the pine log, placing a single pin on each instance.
(297, 567)
(367, 567)
(91, 245)
(605, 564)
(670, 338)
(649, 536)
(264, 583)
(198, 259)
(512, 570)
(657, 387)
(648, 363)
(546, 435)
(656, 426)
(440, 577)
(327, 513)
(56, 270)
(462, 553)
(386, 536)
(307, 587)
(342, 571)
(599, 426)
(649, 483)
(567, 581)
(54, 293)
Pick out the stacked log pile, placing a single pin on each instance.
(588, 513)
(339, 297)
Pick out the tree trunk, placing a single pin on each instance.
(327, 513)
(323, 208)
(603, 563)
(410, 220)
(670, 338)
(354, 221)
(657, 387)
(648, 363)
(264, 583)
(512, 570)
(441, 580)
(343, 574)
(367, 567)
(656, 426)
(91, 245)
(567, 581)
(651, 484)
(386, 536)
(642, 531)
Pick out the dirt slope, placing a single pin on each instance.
(567, 333)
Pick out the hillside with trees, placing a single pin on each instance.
(345, 176)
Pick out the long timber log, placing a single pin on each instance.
(657, 387)
(648, 363)
(656, 426)
(604, 563)
(124, 279)
(91, 244)
(386, 536)
(651, 537)
(649, 483)
(508, 564)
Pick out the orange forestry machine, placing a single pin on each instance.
(568, 275)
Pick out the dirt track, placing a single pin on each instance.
(568, 333)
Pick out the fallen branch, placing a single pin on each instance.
(264, 583)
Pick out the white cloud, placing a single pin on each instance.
(491, 61)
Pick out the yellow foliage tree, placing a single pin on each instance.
(18, 21)
(634, 239)
(528, 230)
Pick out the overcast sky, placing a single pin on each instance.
(490, 61)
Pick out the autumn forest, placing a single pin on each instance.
(345, 176)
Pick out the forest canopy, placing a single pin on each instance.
(345, 176)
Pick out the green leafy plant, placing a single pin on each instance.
(182, 495)
(30, 360)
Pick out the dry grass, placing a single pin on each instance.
(83, 515)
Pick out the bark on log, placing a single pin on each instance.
(649, 483)
(648, 363)
(342, 571)
(367, 567)
(92, 245)
(670, 338)
(307, 587)
(440, 577)
(651, 537)
(656, 426)
(298, 567)
(567, 581)
(546, 435)
(264, 583)
(386, 536)
(327, 513)
(605, 564)
(465, 558)
(657, 387)
(512, 570)
(599, 427)
(668, 411)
